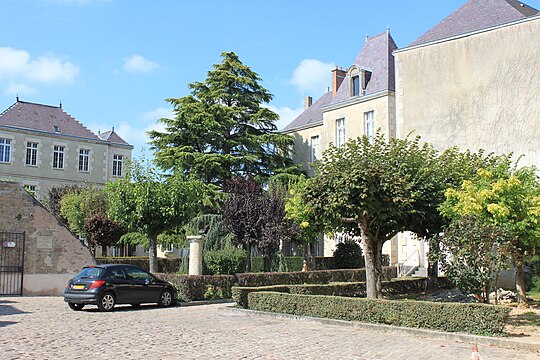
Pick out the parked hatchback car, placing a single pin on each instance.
(108, 285)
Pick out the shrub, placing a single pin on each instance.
(345, 289)
(477, 319)
(348, 255)
(165, 265)
(195, 287)
(309, 277)
(228, 261)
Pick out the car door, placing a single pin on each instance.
(143, 287)
(121, 284)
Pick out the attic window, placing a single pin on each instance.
(359, 79)
(56, 129)
(355, 85)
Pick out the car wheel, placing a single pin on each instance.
(106, 302)
(76, 307)
(166, 298)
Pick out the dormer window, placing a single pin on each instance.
(56, 129)
(359, 79)
(355, 86)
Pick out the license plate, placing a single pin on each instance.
(78, 287)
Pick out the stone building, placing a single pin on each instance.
(361, 100)
(42, 146)
(471, 81)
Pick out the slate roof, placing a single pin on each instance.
(477, 15)
(49, 119)
(113, 137)
(376, 56)
(312, 115)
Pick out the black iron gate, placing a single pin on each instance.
(11, 263)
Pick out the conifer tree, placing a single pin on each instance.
(222, 129)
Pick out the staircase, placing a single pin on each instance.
(420, 272)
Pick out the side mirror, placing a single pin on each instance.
(149, 281)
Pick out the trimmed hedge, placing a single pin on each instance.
(201, 287)
(345, 289)
(310, 277)
(479, 319)
(165, 265)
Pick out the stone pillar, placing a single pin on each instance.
(195, 254)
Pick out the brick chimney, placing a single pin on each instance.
(337, 78)
(308, 101)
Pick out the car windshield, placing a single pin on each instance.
(90, 273)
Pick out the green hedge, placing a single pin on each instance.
(477, 319)
(201, 287)
(310, 277)
(346, 289)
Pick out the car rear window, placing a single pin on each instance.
(91, 273)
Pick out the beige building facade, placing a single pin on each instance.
(42, 147)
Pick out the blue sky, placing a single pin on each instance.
(113, 62)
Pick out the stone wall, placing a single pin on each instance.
(52, 253)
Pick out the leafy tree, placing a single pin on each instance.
(102, 231)
(216, 235)
(147, 202)
(223, 129)
(472, 253)
(302, 214)
(55, 195)
(78, 206)
(505, 197)
(368, 189)
(255, 218)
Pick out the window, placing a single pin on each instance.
(5, 150)
(31, 153)
(369, 120)
(84, 159)
(136, 274)
(355, 86)
(31, 189)
(314, 148)
(58, 157)
(340, 132)
(117, 165)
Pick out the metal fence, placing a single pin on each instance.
(11, 263)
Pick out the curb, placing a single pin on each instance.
(205, 302)
(433, 334)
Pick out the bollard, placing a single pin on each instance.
(195, 254)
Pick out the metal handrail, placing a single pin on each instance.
(401, 265)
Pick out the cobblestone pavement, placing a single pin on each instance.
(45, 328)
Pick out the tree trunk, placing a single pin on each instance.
(306, 265)
(152, 253)
(267, 263)
(520, 280)
(104, 250)
(433, 270)
(373, 268)
(248, 259)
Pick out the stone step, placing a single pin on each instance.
(420, 272)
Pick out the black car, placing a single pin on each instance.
(107, 285)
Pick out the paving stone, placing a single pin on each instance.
(45, 328)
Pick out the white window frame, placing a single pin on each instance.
(118, 161)
(5, 150)
(32, 189)
(341, 136)
(314, 148)
(59, 155)
(84, 160)
(369, 121)
(31, 157)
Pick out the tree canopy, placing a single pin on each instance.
(223, 129)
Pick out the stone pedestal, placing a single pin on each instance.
(195, 254)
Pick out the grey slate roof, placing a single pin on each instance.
(49, 119)
(113, 137)
(376, 56)
(477, 15)
(312, 115)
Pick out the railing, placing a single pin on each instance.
(406, 270)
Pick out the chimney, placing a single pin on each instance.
(337, 78)
(308, 100)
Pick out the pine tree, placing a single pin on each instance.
(222, 129)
